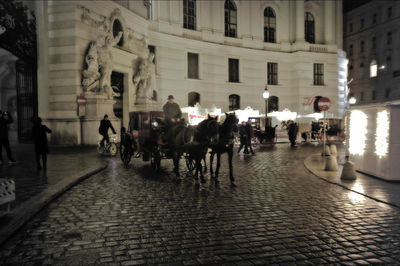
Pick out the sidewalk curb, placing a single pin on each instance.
(314, 172)
(27, 210)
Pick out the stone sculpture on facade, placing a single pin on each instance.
(97, 77)
(144, 80)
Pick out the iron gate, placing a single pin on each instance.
(26, 98)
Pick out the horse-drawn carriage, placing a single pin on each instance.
(147, 136)
(156, 139)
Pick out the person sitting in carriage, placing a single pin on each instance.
(172, 111)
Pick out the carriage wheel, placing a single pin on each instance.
(190, 163)
(113, 149)
(100, 149)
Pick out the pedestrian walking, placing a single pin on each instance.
(39, 134)
(105, 124)
(5, 121)
(243, 138)
(250, 135)
(292, 129)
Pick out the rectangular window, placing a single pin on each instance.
(361, 23)
(362, 47)
(361, 96)
(189, 14)
(351, 27)
(351, 50)
(193, 65)
(318, 74)
(233, 70)
(374, 95)
(272, 75)
(389, 12)
(387, 93)
(389, 38)
(374, 19)
(373, 43)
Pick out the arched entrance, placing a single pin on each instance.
(193, 98)
(18, 70)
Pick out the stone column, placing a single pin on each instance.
(300, 21)
(42, 57)
(339, 24)
(330, 13)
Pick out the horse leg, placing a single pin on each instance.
(230, 156)
(218, 165)
(205, 162)
(201, 171)
(211, 163)
(175, 157)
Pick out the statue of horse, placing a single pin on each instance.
(224, 144)
(193, 140)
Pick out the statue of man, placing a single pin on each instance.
(105, 62)
(144, 80)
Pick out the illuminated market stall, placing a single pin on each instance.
(373, 141)
(196, 114)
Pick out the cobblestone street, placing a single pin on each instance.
(278, 214)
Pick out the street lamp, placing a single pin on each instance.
(266, 96)
(352, 100)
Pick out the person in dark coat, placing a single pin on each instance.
(105, 124)
(243, 138)
(39, 132)
(5, 120)
(293, 129)
(172, 111)
(250, 134)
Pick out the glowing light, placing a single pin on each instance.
(285, 115)
(243, 115)
(352, 100)
(358, 132)
(382, 133)
(354, 196)
(373, 69)
(197, 113)
(266, 94)
(382, 67)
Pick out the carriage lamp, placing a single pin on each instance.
(266, 96)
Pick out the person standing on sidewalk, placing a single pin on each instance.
(5, 120)
(105, 124)
(40, 138)
(250, 135)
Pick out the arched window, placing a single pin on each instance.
(269, 25)
(193, 98)
(273, 104)
(230, 19)
(234, 102)
(373, 69)
(189, 14)
(116, 29)
(309, 28)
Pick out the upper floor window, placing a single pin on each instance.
(373, 95)
(351, 27)
(374, 18)
(389, 38)
(361, 96)
(387, 93)
(351, 50)
(189, 14)
(269, 25)
(233, 70)
(193, 65)
(234, 102)
(389, 12)
(373, 42)
(230, 19)
(373, 69)
(309, 28)
(272, 74)
(361, 23)
(318, 74)
(362, 46)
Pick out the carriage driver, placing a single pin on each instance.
(172, 111)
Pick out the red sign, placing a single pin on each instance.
(324, 103)
(81, 100)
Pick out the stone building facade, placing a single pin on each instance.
(220, 53)
(371, 38)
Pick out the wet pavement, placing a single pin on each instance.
(379, 189)
(278, 214)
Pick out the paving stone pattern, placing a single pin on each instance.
(279, 214)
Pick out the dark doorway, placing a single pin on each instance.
(193, 98)
(26, 99)
(273, 104)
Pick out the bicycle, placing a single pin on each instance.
(109, 148)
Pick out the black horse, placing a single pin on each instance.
(224, 144)
(193, 141)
